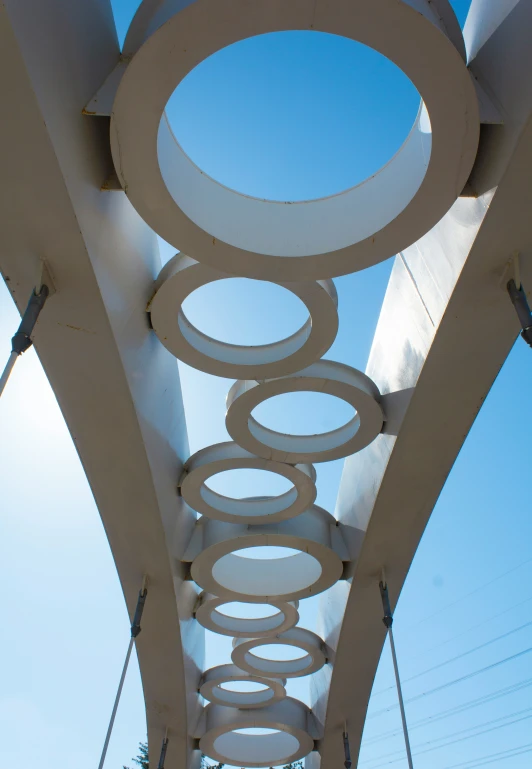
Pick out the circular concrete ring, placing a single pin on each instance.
(222, 457)
(291, 742)
(232, 577)
(313, 660)
(183, 275)
(249, 237)
(326, 376)
(211, 688)
(209, 616)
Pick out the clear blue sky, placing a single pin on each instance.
(292, 97)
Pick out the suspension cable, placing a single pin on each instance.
(21, 341)
(388, 621)
(164, 748)
(135, 630)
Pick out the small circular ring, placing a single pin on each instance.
(290, 719)
(326, 376)
(262, 239)
(211, 688)
(309, 642)
(232, 577)
(183, 275)
(222, 457)
(209, 617)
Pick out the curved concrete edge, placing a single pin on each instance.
(117, 387)
(445, 329)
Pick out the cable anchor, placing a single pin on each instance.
(388, 621)
(520, 302)
(135, 625)
(162, 758)
(347, 752)
(135, 630)
(21, 341)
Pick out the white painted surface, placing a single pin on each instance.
(315, 568)
(267, 691)
(209, 616)
(223, 457)
(289, 717)
(326, 376)
(333, 236)
(314, 659)
(182, 275)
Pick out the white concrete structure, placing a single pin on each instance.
(314, 239)
(182, 275)
(445, 328)
(224, 457)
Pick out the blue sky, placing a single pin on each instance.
(252, 117)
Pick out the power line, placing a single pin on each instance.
(484, 760)
(472, 592)
(475, 627)
(460, 732)
(459, 656)
(466, 677)
(453, 742)
(455, 710)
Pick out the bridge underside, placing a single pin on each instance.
(445, 329)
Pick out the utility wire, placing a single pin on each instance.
(453, 742)
(455, 710)
(519, 715)
(475, 627)
(458, 656)
(466, 677)
(484, 760)
(472, 592)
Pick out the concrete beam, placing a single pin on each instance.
(118, 388)
(445, 329)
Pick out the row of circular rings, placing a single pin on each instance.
(243, 236)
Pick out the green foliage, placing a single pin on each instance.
(142, 759)
(143, 763)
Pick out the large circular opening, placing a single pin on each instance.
(279, 652)
(246, 687)
(293, 115)
(247, 312)
(237, 610)
(256, 745)
(266, 552)
(303, 413)
(249, 482)
(267, 576)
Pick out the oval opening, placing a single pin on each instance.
(255, 731)
(279, 652)
(249, 482)
(266, 553)
(237, 610)
(249, 687)
(245, 312)
(299, 115)
(303, 413)
(256, 745)
(257, 577)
